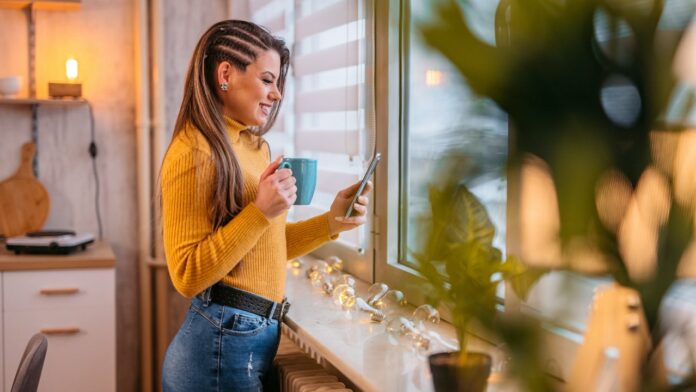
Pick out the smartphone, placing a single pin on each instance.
(368, 174)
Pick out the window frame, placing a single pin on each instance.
(389, 124)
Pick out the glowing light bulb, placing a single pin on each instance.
(345, 279)
(376, 315)
(390, 302)
(335, 264)
(425, 315)
(375, 292)
(296, 263)
(71, 69)
(312, 271)
(344, 295)
(433, 77)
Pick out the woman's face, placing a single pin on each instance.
(251, 93)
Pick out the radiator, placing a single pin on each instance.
(302, 369)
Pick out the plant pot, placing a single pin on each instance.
(450, 375)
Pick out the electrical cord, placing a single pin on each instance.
(93, 154)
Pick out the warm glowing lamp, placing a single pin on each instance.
(71, 89)
(71, 69)
(433, 77)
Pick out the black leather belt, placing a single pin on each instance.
(223, 294)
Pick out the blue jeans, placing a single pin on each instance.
(220, 348)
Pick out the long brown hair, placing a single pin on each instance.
(239, 43)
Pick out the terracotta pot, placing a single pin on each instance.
(449, 375)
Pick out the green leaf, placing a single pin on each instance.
(521, 277)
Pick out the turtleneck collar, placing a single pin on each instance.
(234, 128)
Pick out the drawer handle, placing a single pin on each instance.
(61, 331)
(62, 291)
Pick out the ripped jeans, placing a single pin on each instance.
(221, 348)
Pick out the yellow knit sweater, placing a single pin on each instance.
(250, 252)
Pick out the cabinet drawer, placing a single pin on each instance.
(35, 290)
(81, 359)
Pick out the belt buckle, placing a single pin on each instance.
(284, 307)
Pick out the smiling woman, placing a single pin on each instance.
(224, 209)
(255, 89)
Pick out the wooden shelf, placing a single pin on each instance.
(42, 4)
(42, 101)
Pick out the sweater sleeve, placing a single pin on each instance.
(197, 256)
(305, 236)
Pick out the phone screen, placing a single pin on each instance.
(368, 174)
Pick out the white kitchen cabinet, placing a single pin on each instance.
(71, 299)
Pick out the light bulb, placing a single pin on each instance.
(345, 279)
(71, 69)
(344, 296)
(296, 263)
(425, 315)
(390, 302)
(312, 272)
(335, 264)
(376, 315)
(375, 292)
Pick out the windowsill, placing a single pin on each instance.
(360, 349)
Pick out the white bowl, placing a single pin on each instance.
(9, 86)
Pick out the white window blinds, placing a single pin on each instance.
(329, 69)
(276, 15)
(325, 109)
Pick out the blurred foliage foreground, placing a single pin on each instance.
(549, 71)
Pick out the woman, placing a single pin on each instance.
(224, 208)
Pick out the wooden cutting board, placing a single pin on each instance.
(24, 202)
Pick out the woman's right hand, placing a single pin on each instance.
(277, 190)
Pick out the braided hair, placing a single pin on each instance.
(238, 43)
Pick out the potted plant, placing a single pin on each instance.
(463, 269)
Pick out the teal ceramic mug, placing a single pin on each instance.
(305, 172)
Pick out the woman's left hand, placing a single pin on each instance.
(337, 220)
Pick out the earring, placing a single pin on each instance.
(224, 86)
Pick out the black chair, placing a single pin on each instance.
(29, 369)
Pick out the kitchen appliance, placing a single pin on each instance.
(49, 244)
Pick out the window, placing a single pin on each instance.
(425, 109)
(429, 111)
(440, 114)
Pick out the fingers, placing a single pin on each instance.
(367, 189)
(360, 216)
(288, 184)
(272, 168)
(360, 209)
(283, 174)
(350, 191)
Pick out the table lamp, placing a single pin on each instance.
(71, 89)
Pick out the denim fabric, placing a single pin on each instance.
(220, 348)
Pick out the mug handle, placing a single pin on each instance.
(284, 165)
